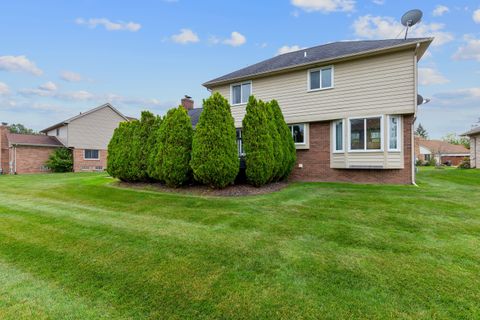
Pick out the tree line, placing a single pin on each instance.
(168, 150)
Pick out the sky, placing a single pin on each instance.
(58, 58)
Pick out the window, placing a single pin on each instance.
(241, 92)
(298, 133)
(240, 143)
(319, 79)
(338, 135)
(58, 132)
(91, 154)
(366, 134)
(394, 133)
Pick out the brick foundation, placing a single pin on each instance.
(82, 165)
(316, 160)
(30, 159)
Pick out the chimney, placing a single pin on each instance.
(187, 103)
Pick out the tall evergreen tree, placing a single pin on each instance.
(140, 147)
(215, 160)
(257, 143)
(177, 148)
(153, 143)
(421, 131)
(288, 145)
(277, 142)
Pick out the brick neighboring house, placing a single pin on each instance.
(25, 153)
(443, 152)
(350, 105)
(474, 136)
(88, 135)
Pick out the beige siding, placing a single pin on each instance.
(376, 85)
(63, 134)
(94, 130)
(475, 151)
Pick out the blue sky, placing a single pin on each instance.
(58, 58)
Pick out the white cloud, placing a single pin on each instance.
(80, 95)
(4, 89)
(324, 6)
(236, 39)
(185, 36)
(440, 10)
(214, 40)
(429, 76)
(48, 86)
(376, 27)
(19, 64)
(109, 25)
(70, 76)
(476, 16)
(469, 51)
(287, 49)
(379, 2)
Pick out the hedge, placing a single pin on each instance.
(215, 159)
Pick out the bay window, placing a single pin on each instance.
(366, 134)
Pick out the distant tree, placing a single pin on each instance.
(288, 145)
(20, 128)
(61, 160)
(257, 143)
(420, 131)
(215, 160)
(177, 147)
(453, 138)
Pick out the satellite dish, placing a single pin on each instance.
(421, 100)
(411, 18)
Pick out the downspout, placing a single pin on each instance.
(15, 160)
(412, 126)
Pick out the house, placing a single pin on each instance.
(442, 151)
(350, 106)
(474, 136)
(24, 153)
(88, 135)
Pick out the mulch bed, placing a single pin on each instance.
(236, 190)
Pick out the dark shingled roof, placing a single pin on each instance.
(32, 140)
(472, 132)
(194, 115)
(324, 52)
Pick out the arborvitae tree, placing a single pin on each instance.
(177, 147)
(61, 160)
(288, 145)
(278, 148)
(421, 131)
(257, 143)
(127, 162)
(215, 160)
(118, 146)
(153, 150)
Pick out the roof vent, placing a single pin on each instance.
(305, 54)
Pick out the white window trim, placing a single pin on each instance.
(241, 93)
(91, 159)
(320, 69)
(304, 133)
(382, 142)
(399, 133)
(334, 143)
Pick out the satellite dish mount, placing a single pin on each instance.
(411, 18)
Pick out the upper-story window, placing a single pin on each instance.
(320, 78)
(366, 134)
(240, 92)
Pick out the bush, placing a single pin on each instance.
(288, 145)
(257, 143)
(153, 142)
(215, 160)
(140, 151)
(431, 163)
(61, 160)
(465, 164)
(277, 144)
(419, 162)
(176, 148)
(121, 162)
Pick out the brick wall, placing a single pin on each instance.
(316, 160)
(82, 165)
(455, 160)
(31, 159)
(4, 154)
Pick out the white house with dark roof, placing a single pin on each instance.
(350, 105)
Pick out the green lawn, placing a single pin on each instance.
(72, 246)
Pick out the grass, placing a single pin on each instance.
(72, 246)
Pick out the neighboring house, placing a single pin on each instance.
(88, 135)
(25, 153)
(474, 136)
(350, 106)
(443, 152)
